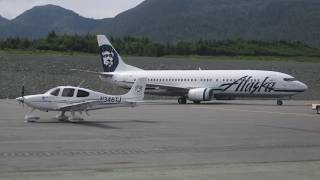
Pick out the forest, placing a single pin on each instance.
(142, 46)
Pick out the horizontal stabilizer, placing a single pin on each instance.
(104, 74)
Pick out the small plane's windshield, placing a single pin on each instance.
(55, 92)
(51, 90)
(289, 79)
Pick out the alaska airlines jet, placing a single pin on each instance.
(197, 85)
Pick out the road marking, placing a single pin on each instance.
(255, 111)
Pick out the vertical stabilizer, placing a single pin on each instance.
(110, 58)
(137, 90)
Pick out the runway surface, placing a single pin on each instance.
(164, 140)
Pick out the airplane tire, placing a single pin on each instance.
(182, 101)
(279, 102)
(196, 102)
(318, 109)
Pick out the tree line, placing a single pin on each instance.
(145, 47)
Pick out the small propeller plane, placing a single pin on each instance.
(76, 99)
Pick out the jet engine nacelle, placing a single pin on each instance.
(200, 94)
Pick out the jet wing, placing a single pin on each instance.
(168, 88)
(175, 88)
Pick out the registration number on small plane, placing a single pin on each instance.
(110, 99)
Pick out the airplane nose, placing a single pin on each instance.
(20, 99)
(303, 86)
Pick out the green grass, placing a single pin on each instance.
(312, 59)
(251, 58)
(44, 52)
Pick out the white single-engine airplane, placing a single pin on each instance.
(197, 85)
(76, 99)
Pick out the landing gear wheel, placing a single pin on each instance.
(318, 110)
(182, 100)
(279, 102)
(196, 102)
(62, 117)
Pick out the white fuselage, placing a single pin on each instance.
(53, 102)
(225, 83)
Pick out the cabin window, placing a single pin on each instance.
(67, 92)
(55, 92)
(82, 93)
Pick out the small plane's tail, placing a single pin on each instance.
(137, 90)
(110, 58)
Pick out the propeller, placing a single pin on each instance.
(21, 99)
(22, 95)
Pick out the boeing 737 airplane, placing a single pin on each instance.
(197, 85)
(76, 99)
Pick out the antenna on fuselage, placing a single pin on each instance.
(81, 83)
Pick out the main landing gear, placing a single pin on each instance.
(279, 102)
(62, 116)
(182, 100)
(73, 118)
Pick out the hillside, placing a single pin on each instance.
(3, 21)
(222, 19)
(172, 20)
(40, 20)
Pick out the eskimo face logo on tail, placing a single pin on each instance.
(109, 58)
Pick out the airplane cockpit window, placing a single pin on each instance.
(67, 92)
(82, 93)
(55, 92)
(289, 79)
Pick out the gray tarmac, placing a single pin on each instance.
(245, 139)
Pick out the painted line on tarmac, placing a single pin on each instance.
(255, 111)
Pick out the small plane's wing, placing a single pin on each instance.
(81, 106)
(104, 74)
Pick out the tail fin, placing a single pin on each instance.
(110, 58)
(137, 90)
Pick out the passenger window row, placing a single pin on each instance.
(194, 80)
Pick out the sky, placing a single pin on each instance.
(96, 9)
